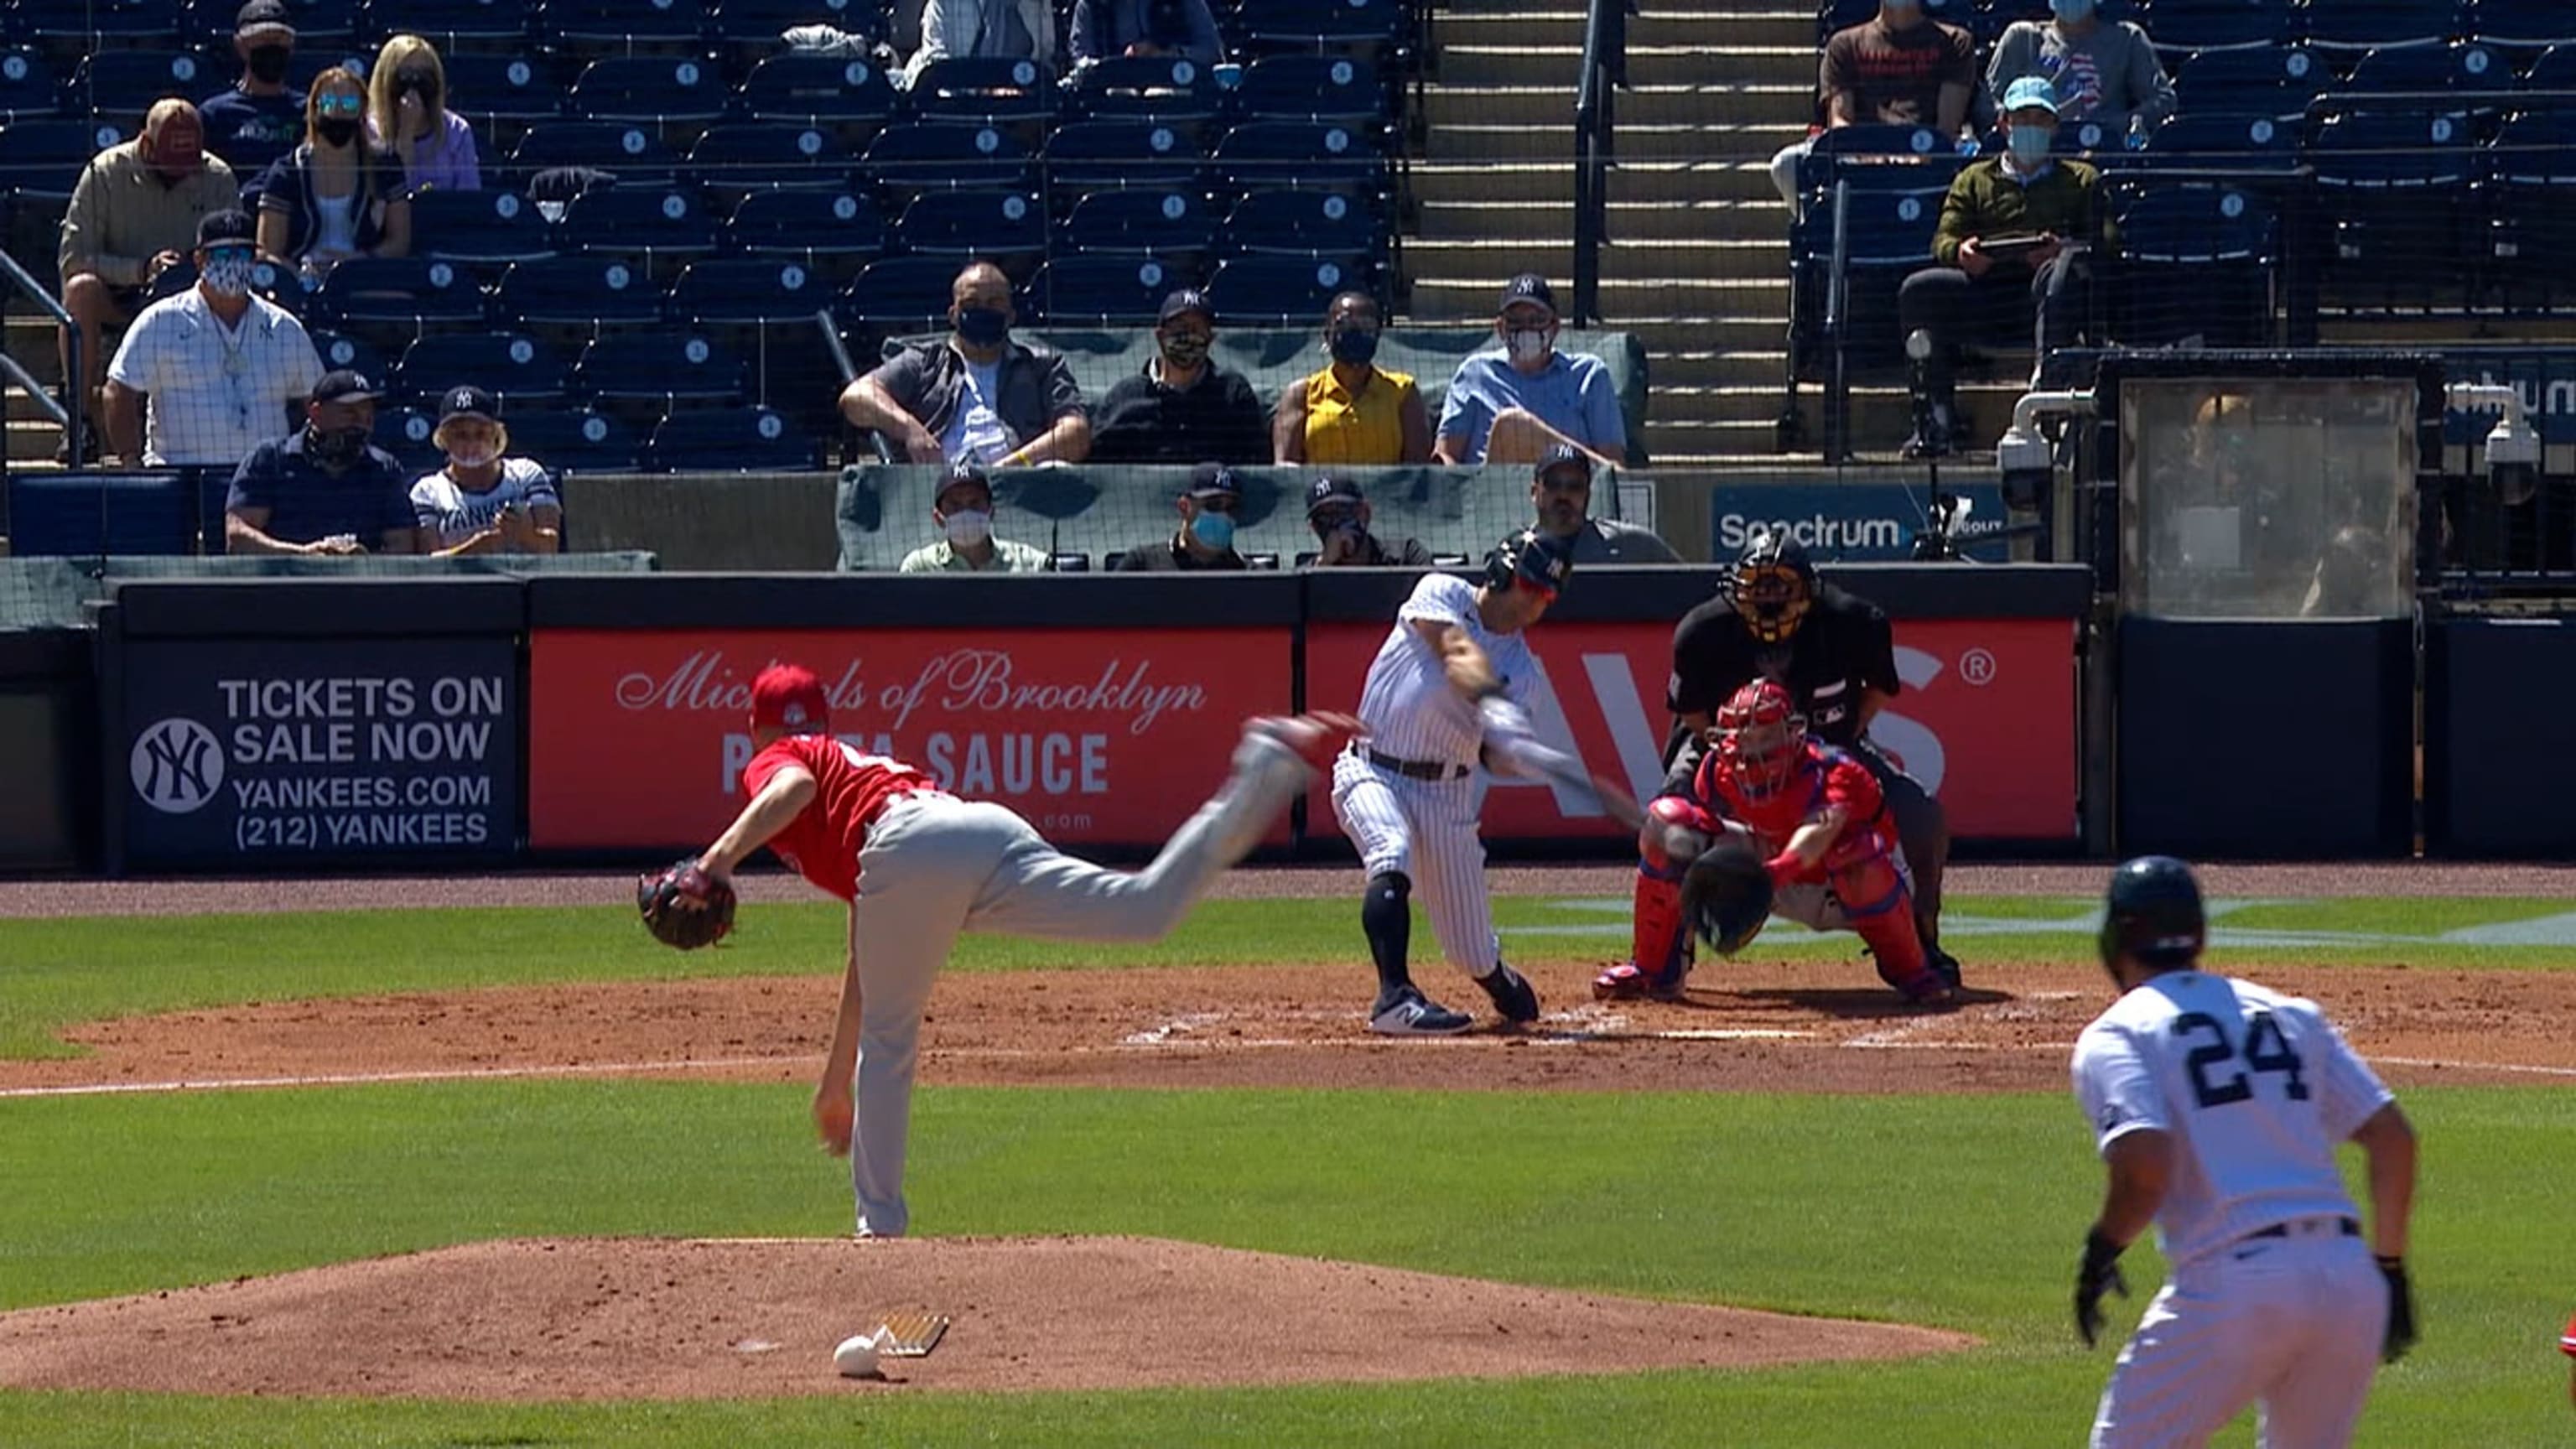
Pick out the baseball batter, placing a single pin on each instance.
(1814, 813)
(2217, 1105)
(919, 866)
(1448, 692)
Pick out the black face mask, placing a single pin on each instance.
(268, 63)
(423, 81)
(337, 131)
(335, 448)
(983, 326)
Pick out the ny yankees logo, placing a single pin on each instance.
(177, 766)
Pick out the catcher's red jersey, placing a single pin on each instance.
(1822, 777)
(2567, 1340)
(851, 790)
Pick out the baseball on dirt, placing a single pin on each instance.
(856, 1358)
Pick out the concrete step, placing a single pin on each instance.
(1545, 178)
(1534, 56)
(1542, 140)
(1641, 260)
(1727, 30)
(1628, 221)
(1711, 368)
(1622, 300)
(1460, 38)
(1776, 108)
(1674, 335)
(33, 441)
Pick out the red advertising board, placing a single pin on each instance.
(1987, 719)
(638, 739)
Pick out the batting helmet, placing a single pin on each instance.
(1759, 734)
(1772, 585)
(2152, 911)
(1530, 559)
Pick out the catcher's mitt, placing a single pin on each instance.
(684, 906)
(1726, 894)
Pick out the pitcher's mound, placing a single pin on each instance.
(665, 1319)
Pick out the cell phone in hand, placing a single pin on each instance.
(2012, 245)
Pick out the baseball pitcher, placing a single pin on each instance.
(2216, 1105)
(1822, 852)
(919, 866)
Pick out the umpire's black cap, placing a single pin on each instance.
(2152, 911)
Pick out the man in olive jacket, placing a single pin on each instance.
(2018, 238)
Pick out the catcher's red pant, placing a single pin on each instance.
(1865, 891)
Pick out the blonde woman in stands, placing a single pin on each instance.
(407, 113)
(1352, 413)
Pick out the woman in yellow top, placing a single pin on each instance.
(1352, 413)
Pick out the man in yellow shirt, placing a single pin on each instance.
(1352, 413)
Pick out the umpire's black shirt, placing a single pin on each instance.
(1843, 647)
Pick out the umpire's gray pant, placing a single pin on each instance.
(1922, 826)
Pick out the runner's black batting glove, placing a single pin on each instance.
(2097, 1274)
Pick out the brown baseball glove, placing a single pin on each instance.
(685, 907)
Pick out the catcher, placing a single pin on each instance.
(918, 867)
(1771, 821)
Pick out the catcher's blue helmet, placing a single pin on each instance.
(2152, 911)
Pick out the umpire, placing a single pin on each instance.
(1771, 619)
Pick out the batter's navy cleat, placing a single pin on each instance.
(1410, 1013)
(1928, 989)
(1513, 996)
(1942, 964)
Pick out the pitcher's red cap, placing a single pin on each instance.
(788, 697)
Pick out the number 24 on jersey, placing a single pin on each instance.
(2222, 1069)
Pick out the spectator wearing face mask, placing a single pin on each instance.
(1181, 407)
(407, 113)
(2103, 72)
(1513, 405)
(206, 376)
(963, 514)
(338, 195)
(261, 117)
(1338, 512)
(975, 394)
(133, 212)
(1351, 412)
(1183, 29)
(1206, 536)
(483, 501)
(325, 490)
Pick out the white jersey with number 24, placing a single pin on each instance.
(2255, 1088)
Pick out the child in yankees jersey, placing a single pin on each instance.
(2216, 1106)
(482, 501)
(1815, 812)
(1448, 692)
(919, 866)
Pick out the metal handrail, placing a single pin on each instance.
(1605, 68)
(67, 413)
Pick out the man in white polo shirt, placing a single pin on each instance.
(205, 376)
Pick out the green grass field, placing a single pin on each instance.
(1959, 1212)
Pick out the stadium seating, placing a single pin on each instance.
(2553, 69)
(454, 26)
(2388, 184)
(925, 157)
(743, 291)
(42, 159)
(818, 90)
(478, 226)
(578, 293)
(989, 90)
(2524, 23)
(1139, 222)
(65, 514)
(80, 25)
(632, 153)
(122, 84)
(740, 157)
(566, 439)
(2372, 24)
(652, 223)
(665, 367)
(1318, 221)
(651, 90)
(2250, 143)
(1334, 88)
(511, 89)
(895, 293)
(2260, 80)
(1362, 27)
(1299, 153)
(830, 231)
(405, 432)
(1101, 291)
(1004, 226)
(397, 294)
(28, 87)
(519, 369)
(2531, 202)
(1173, 91)
(2196, 261)
(2467, 69)
(1090, 155)
(2198, 25)
(1279, 290)
(621, 27)
(727, 440)
(338, 350)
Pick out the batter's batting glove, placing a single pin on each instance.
(2097, 1274)
(684, 906)
(2401, 1311)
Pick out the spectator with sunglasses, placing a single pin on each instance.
(337, 195)
(1181, 407)
(1561, 492)
(1352, 413)
(206, 376)
(1339, 513)
(1206, 537)
(407, 112)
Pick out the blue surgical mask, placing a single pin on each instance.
(2071, 9)
(2030, 144)
(983, 326)
(1216, 530)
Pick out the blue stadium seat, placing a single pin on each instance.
(763, 20)
(478, 226)
(2205, 141)
(519, 368)
(42, 159)
(1356, 25)
(900, 293)
(1299, 153)
(2392, 186)
(616, 27)
(1316, 220)
(119, 85)
(727, 440)
(1091, 155)
(405, 432)
(2553, 69)
(453, 26)
(1279, 290)
(632, 152)
(1885, 227)
(746, 156)
(650, 90)
(1001, 225)
(2196, 25)
(578, 292)
(413, 292)
(1140, 222)
(2468, 69)
(569, 439)
(56, 515)
(1100, 291)
(2375, 24)
(91, 24)
(640, 221)
(815, 226)
(2196, 262)
(2255, 81)
(320, 25)
(1172, 90)
(930, 157)
(28, 88)
(662, 366)
(2524, 23)
(1824, 159)
(1310, 88)
(2531, 185)
(514, 88)
(338, 350)
(818, 90)
(988, 89)
(306, 65)
(745, 290)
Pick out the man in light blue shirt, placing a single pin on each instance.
(1513, 406)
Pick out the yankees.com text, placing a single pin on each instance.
(364, 763)
(977, 765)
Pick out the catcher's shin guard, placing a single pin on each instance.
(1660, 944)
(1881, 909)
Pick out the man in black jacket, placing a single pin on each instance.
(1183, 408)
